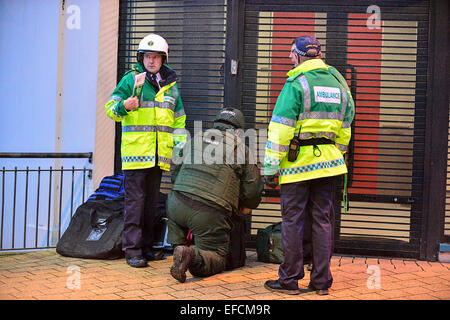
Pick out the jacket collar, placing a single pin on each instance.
(168, 75)
(306, 66)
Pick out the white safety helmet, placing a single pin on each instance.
(153, 43)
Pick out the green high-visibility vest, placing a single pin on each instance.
(150, 132)
(315, 102)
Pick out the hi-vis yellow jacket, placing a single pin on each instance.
(155, 127)
(317, 102)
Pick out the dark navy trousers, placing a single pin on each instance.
(141, 199)
(314, 197)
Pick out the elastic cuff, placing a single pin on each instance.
(121, 109)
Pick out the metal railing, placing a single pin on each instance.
(38, 202)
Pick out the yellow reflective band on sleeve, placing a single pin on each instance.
(283, 120)
(111, 108)
(179, 114)
(280, 134)
(341, 147)
(343, 139)
(276, 147)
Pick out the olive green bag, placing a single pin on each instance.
(268, 244)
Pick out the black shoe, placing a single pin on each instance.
(154, 255)
(320, 292)
(159, 254)
(182, 260)
(275, 286)
(137, 262)
(149, 256)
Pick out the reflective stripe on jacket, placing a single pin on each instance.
(154, 128)
(317, 102)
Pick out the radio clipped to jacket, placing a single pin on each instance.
(294, 147)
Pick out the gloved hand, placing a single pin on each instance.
(244, 210)
(270, 181)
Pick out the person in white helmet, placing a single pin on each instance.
(148, 104)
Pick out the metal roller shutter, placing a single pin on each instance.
(386, 66)
(195, 32)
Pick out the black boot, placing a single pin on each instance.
(182, 259)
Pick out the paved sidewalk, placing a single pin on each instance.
(45, 275)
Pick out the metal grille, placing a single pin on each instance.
(195, 32)
(38, 202)
(386, 67)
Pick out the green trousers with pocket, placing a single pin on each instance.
(211, 229)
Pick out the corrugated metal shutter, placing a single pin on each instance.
(386, 66)
(195, 32)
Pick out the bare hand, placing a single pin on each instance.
(131, 103)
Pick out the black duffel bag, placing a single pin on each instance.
(95, 231)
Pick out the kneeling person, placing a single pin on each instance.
(206, 194)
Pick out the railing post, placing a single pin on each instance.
(25, 211)
(14, 207)
(37, 206)
(49, 205)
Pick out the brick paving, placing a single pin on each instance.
(45, 275)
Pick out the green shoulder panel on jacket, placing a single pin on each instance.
(178, 103)
(288, 102)
(339, 76)
(350, 111)
(294, 76)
